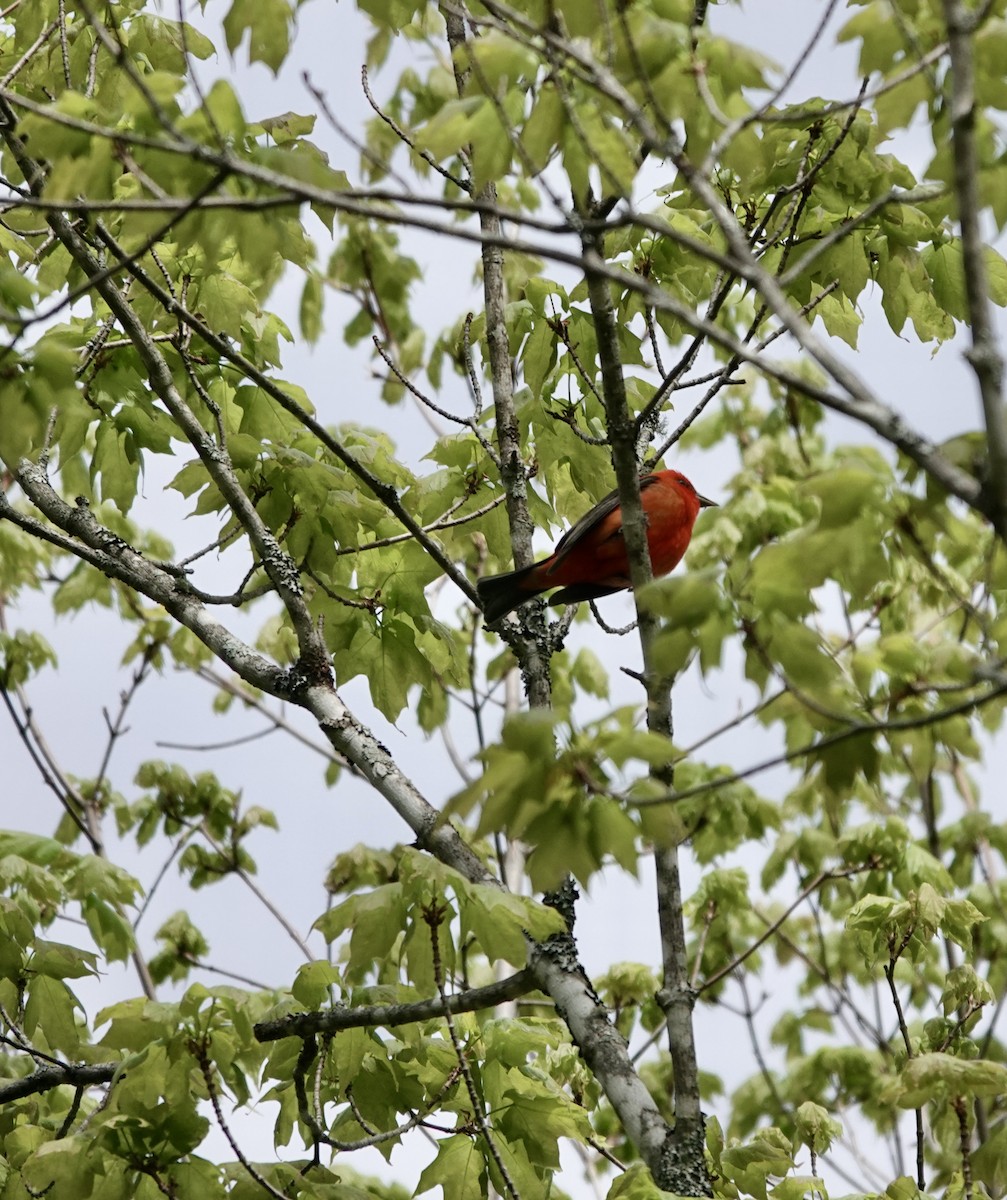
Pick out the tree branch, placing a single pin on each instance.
(531, 648)
(985, 355)
(331, 1020)
(44, 1079)
(679, 1166)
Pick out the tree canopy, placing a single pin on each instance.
(674, 244)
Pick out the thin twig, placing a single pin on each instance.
(965, 1143)
(862, 729)
(615, 630)
(889, 968)
(808, 890)
(461, 184)
(63, 46)
(433, 915)
(29, 54)
(201, 1052)
(252, 699)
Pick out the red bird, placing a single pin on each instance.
(590, 559)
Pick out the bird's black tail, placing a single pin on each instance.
(501, 594)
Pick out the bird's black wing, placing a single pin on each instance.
(592, 517)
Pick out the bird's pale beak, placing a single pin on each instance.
(704, 503)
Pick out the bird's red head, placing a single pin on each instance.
(685, 486)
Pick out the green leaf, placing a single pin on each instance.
(36, 848)
(635, 1183)
(62, 1164)
(459, 1169)
(450, 129)
(224, 107)
(815, 1128)
(543, 129)
(798, 1187)
(944, 265)
(109, 928)
(535, 1113)
(390, 658)
(118, 465)
(996, 275)
(267, 23)
(500, 921)
(538, 355)
(312, 302)
(289, 126)
(491, 143)
(871, 920)
(751, 1166)
(225, 303)
(589, 673)
(989, 1160)
(613, 152)
(60, 961)
(49, 1015)
(959, 919)
(685, 600)
(376, 920)
(500, 59)
(963, 987)
(840, 318)
(931, 1077)
(312, 985)
(880, 39)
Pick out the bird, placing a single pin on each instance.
(590, 560)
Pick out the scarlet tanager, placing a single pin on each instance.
(590, 559)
